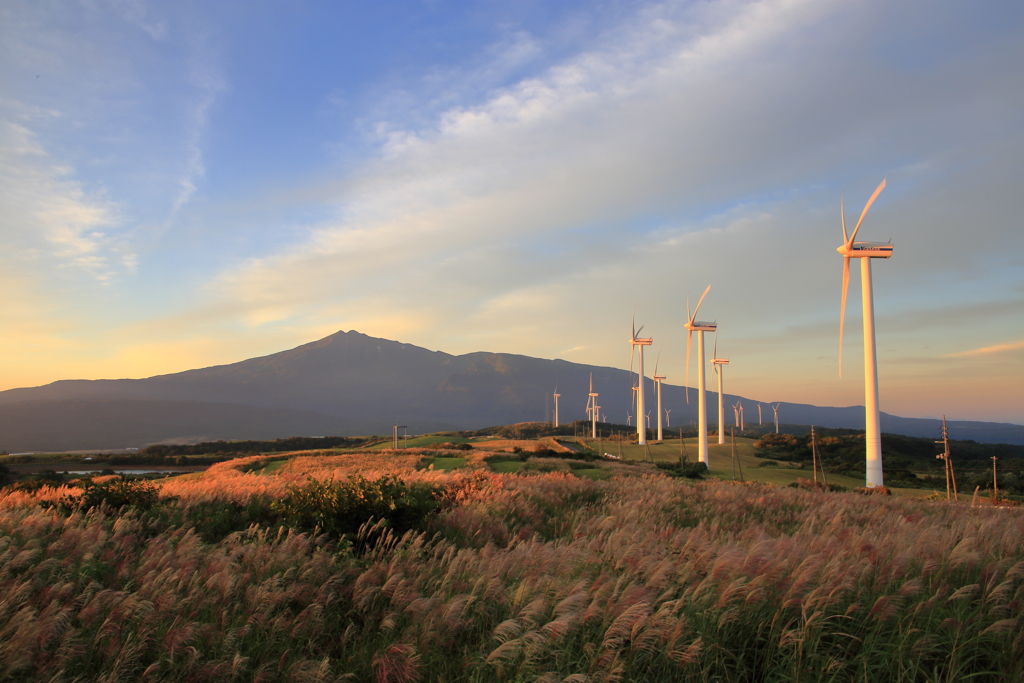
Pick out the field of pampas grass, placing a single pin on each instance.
(545, 577)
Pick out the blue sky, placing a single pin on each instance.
(195, 183)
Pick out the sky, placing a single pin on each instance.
(195, 183)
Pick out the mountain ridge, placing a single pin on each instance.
(350, 383)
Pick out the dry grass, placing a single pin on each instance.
(544, 577)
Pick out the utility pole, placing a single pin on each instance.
(995, 482)
(945, 457)
(814, 456)
(733, 453)
(394, 433)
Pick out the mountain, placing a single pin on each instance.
(349, 384)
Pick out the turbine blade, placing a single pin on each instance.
(715, 352)
(634, 321)
(842, 309)
(842, 217)
(689, 340)
(632, 348)
(656, 364)
(878, 191)
(638, 331)
(701, 301)
(591, 382)
(689, 318)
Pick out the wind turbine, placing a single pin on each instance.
(668, 421)
(702, 410)
(736, 412)
(719, 365)
(865, 251)
(759, 420)
(657, 385)
(634, 342)
(556, 395)
(594, 408)
(776, 409)
(742, 424)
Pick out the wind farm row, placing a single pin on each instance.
(865, 251)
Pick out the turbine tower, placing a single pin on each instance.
(657, 385)
(593, 409)
(692, 325)
(556, 395)
(776, 409)
(742, 424)
(736, 413)
(759, 420)
(634, 342)
(719, 365)
(865, 251)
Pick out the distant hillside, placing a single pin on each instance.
(350, 384)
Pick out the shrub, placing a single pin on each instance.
(115, 494)
(686, 470)
(768, 463)
(339, 509)
(215, 519)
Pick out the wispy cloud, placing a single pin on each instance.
(48, 217)
(988, 350)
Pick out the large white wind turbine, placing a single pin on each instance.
(692, 325)
(634, 341)
(865, 251)
(776, 409)
(719, 366)
(657, 386)
(556, 395)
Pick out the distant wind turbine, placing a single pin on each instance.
(865, 251)
(719, 365)
(657, 385)
(776, 409)
(634, 342)
(759, 420)
(702, 409)
(736, 412)
(668, 422)
(556, 395)
(742, 424)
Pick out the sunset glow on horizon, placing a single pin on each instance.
(198, 183)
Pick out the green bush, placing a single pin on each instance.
(213, 520)
(339, 509)
(694, 470)
(115, 494)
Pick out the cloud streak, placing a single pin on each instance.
(988, 350)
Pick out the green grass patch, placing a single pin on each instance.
(720, 461)
(421, 442)
(447, 464)
(506, 466)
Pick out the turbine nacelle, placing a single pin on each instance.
(866, 250)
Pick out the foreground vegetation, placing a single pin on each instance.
(369, 567)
